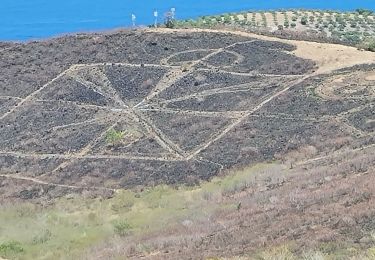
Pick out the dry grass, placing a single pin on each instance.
(319, 210)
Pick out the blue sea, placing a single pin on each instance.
(35, 19)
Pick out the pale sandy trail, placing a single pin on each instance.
(337, 154)
(328, 57)
(36, 181)
(240, 120)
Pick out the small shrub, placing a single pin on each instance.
(122, 228)
(304, 20)
(341, 27)
(368, 45)
(293, 25)
(169, 20)
(352, 37)
(42, 238)
(206, 195)
(10, 248)
(364, 12)
(277, 253)
(366, 34)
(114, 137)
(227, 18)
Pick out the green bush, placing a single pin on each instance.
(122, 228)
(368, 45)
(304, 20)
(364, 12)
(352, 37)
(353, 24)
(10, 248)
(366, 34)
(169, 21)
(293, 25)
(43, 237)
(114, 137)
(341, 27)
(227, 18)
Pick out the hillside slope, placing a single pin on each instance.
(95, 115)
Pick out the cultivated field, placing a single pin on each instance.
(348, 27)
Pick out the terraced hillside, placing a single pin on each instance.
(348, 27)
(104, 112)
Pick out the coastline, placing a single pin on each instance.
(67, 21)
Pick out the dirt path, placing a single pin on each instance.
(29, 97)
(103, 89)
(10, 97)
(336, 154)
(328, 57)
(37, 181)
(214, 91)
(72, 157)
(240, 120)
(225, 114)
(250, 74)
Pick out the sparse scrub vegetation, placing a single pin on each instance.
(43, 237)
(368, 44)
(304, 20)
(114, 137)
(122, 228)
(10, 249)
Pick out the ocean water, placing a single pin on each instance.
(35, 19)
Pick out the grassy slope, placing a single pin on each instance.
(71, 226)
(63, 230)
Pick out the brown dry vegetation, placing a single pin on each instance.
(326, 206)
